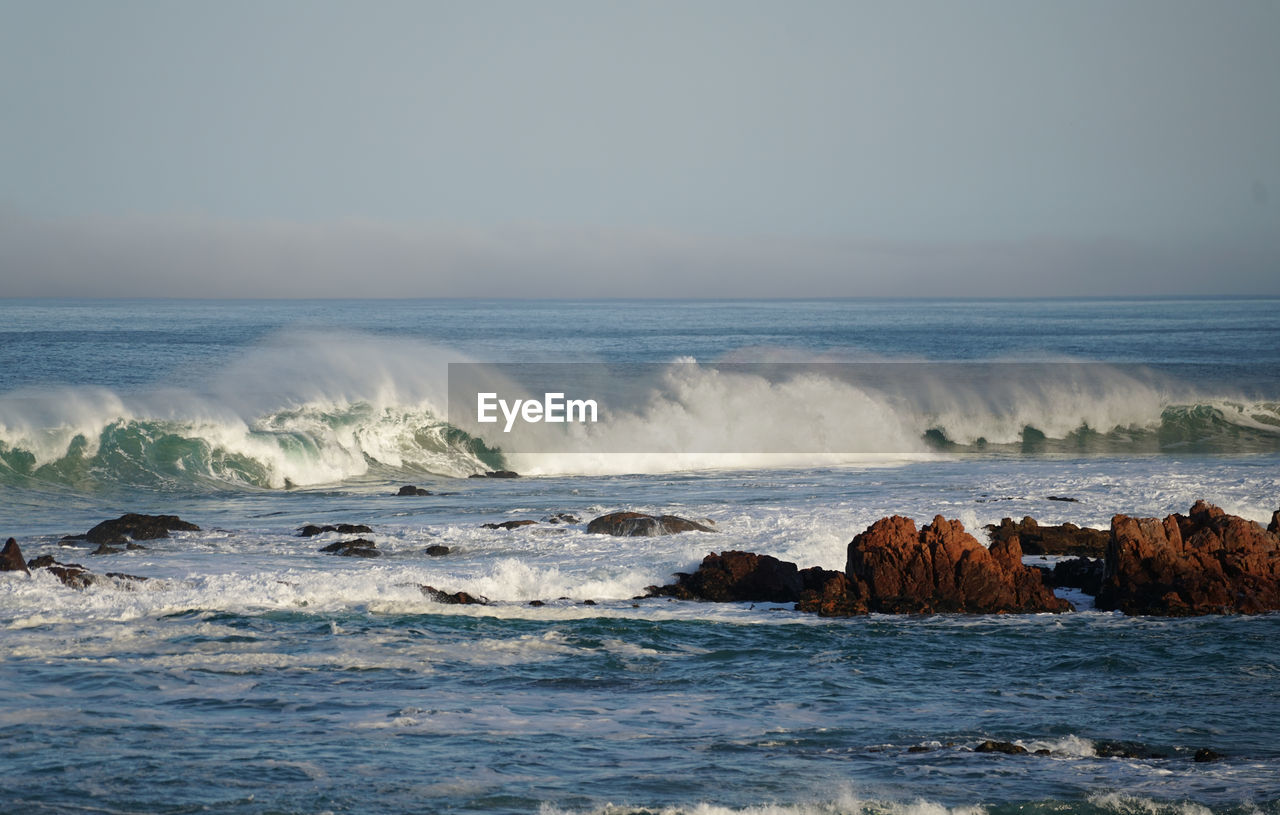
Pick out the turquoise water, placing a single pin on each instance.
(253, 674)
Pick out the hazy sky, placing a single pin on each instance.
(639, 149)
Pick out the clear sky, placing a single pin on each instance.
(738, 148)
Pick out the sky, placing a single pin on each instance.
(640, 149)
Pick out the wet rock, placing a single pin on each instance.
(1006, 747)
(103, 549)
(1062, 498)
(1063, 539)
(826, 593)
(893, 567)
(133, 526)
(455, 599)
(588, 603)
(311, 530)
(437, 550)
(360, 547)
(731, 577)
(1078, 573)
(507, 525)
(919, 748)
(410, 489)
(1205, 562)
(11, 558)
(1125, 749)
(71, 574)
(496, 474)
(638, 524)
(1204, 754)
(537, 603)
(564, 518)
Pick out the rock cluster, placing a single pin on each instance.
(1063, 539)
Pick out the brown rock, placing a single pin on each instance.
(11, 558)
(826, 593)
(639, 524)
(733, 577)
(894, 568)
(1063, 539)
(1205, 562)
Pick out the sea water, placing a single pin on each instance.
(252, 673)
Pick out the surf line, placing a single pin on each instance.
(553, 408)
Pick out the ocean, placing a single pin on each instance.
(252, 673)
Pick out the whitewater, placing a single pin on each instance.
(253, 673)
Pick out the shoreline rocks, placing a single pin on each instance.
(1062, 539)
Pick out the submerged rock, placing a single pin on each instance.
(1204, 754)
(633, 524)
(496, 474)
(133, 526)
(438, 550)
(11, 558)
(1205, 562)
(1006, 747)
(410, 489)
(360, 547)
(311, 530)
(564, 518)
(1063, 539)
(893, 567)
(454, 599)
(508, 525)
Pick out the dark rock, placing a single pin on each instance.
(507, 525)
(564, 518)
(1205, 754)
(436, 550)
(1078, 573)
(103, 549)
(1043, 752)
(71, 574)
(455, 599)
(1274, 526)
(496, 474)
(136, 527)
(633, 524)
(537, 603)
(1062, 498)
(1206, 562)
(1064, 539)
(134, 547)
(826, 593)
(894, 568)
(360, 547)
(1125, 749)
(919, 748)
(588, 602)
(1006, 747)
(732, 577)
(409, 489)
(311, 530)
(11, 558)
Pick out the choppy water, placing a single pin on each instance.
(254, 674)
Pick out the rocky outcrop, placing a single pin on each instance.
(311, 530)
(731, 577)
(826, 593)
(11, 558)
(133, 526)
(1205, 562)
(1080, 573)
(410, 489)
(632, 524)
(1063, 539)
(76, 576)
(893, 567)
(360, 547)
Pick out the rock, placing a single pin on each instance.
(71, 574)
(564, 518)
(496, 474)
(1274, 526)
(436, 550)
(587, 603)
(507, 525)
(894, 568)
(732, 577)
(1205, 562)
(360, 547)
(409, 489)
(1064, 539)
(1078, 573)
(1062, 498)
(537, 603)
(1006, 747)
(1125, 749)
(826, 593)
(133, 526)
(632, 524)
(103, 549)
(919, 748)
(311, 530)
(1205, 754)
(11, 558)
(455, 599)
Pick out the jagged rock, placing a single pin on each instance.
(826, 593)
(731, 577)
(1006, 747)
(1206, 562)
(455, 599)
(633, 524)
(507, 525)
(437, 550)
(11, 558)
(133, 526)
(894, 568)
(496, 474)
(311, 530)
(1063, 539)
(360, 547)
(1078, 573)
(74, 575)
(409, 489)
